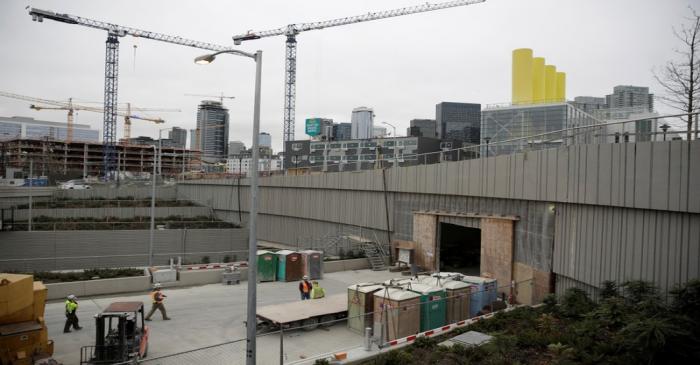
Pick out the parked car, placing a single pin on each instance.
(75, 185)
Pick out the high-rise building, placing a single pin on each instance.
(194, 144)
(235, 148)
(362, 123)
(30, 128)
(179, 137)
(422, 128)
(458, 122)
(264, 140)
(626, 96)
(342, 131)
(212, 122)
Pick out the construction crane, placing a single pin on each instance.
(128, 116)
(115, 31)
(71, 108)
(220, 97)
(290, 32)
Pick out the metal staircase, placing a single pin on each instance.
(354, 238)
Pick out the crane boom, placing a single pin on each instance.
(291, 31)
(114, 31)
(121, 31)
(302, 27)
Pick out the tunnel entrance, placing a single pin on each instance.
(460, 249)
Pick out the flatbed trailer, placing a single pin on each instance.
(304, 314)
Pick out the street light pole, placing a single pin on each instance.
(251, 320)
(31, 172)
(153, 211)
(396, 156)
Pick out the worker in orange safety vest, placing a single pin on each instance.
(305, 288)
(157, 298)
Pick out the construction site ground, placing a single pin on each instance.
(212, 314)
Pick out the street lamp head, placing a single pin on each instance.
(205, 60)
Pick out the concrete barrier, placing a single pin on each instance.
(185, 278)
(98, 287)
(345, 265)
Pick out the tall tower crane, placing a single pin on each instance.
(71, 108)
(220, 97)
(128, 116)
(115, 31)
(290, 32)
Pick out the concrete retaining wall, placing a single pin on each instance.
(127, 212)
(99, 287)
(68, 250)
(186, 278)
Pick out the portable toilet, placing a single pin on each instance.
(433, 305)
(312, 261)
(484, 291)
(361, 305)
(396, 313)
(458, 294)
(267, 266)
(289, 266)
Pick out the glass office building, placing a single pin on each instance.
(30, 128)
(505, 128)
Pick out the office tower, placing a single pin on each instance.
(178, 136)
(362, 123)
(235, 148)
(264, 140)
(212, 123)
(458, 122)
(422, 128)
(342, 131)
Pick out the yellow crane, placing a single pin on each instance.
(72, 107)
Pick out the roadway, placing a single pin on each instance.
(213, 314)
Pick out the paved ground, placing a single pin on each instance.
(213, 314)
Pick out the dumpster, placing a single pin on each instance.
(361, 305)
(289, 266)
(267, 266)
(458, 293)
(312, 261)
(433, 305)
(396, 313)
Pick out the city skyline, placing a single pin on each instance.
(160, 74)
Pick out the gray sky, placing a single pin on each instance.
(401, 67)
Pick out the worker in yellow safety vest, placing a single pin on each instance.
(157, 298)
(305, 288)
(71, 317)
(316, 291)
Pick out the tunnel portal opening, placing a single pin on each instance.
(460, 249)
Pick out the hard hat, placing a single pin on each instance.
(156, 286)
(306, 277)
(72, 297)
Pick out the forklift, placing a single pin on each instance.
(120, 335)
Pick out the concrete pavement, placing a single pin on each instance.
(213, 314)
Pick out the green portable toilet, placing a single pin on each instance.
(433, 308)
(289, 265)
(458, 295)
(361, 305)
(267, 266)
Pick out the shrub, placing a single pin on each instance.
(205, 259)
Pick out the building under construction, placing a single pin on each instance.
(60, 160)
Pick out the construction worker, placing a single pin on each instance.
(316, 291)
(71, 317)
(305, 288)
(157, 298)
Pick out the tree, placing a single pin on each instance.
(681, 78)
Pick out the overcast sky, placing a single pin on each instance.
(401, 67)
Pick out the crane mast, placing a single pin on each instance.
(115, 31)
(290, 32)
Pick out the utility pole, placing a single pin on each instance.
(31, 180)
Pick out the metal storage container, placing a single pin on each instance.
(267, 266)
(458, 293)
(396, 313)
(484, 291)
(433, 305)
(313, 264)
(289, 266)
(361, 305)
